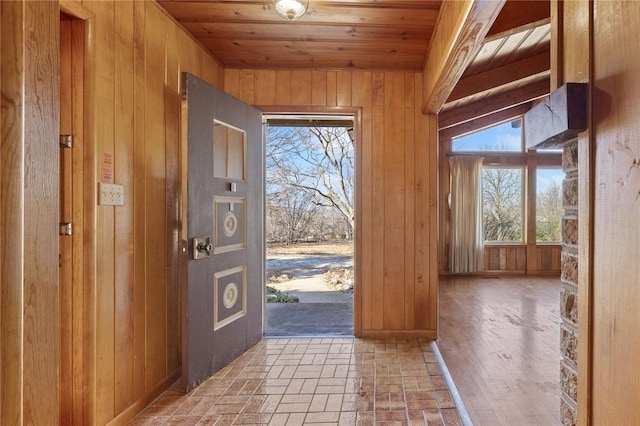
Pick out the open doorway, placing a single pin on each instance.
(499, 317)
(310, 225)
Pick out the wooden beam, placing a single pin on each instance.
(518, 30)
(519, 15)
(497, 77)
(485, 121)
(495, 103)
(558, 118)
(557, 42)
(458, 36)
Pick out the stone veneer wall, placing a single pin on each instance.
(569, 292)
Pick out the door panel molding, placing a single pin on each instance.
(231, 294)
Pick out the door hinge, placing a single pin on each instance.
(66, 141)
(66, 229)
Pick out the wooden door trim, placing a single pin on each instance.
(356, 113)
(67, 377)
(586, 195)
(84, 209)
(586, 209)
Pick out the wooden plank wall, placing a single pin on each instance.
(132, 348)
(512, 259)
(28, 218)
(597, 41)
(396, 270)
(505, 259)
(140, 54)
(615, 335)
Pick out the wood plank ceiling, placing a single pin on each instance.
(510, 71)
(337, 34)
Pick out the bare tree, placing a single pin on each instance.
(502, 204)
(330, 224)
(289, 215)
(549, 213)
(317, 161)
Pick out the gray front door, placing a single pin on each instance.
(222, 315)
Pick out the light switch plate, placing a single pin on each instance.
(110, 194)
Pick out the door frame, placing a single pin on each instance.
(356, 113)
(78, 400)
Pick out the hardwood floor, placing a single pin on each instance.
(499, 338)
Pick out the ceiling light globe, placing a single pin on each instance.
(290, 9)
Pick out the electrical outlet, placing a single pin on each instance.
(110, 194)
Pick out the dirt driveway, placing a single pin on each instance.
(307, 282)
(306, 265)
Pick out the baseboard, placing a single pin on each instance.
(447, 274)
(385, 334)
(139, 405)
(455, 395)
(491, 274)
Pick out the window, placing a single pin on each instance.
(503, 137)
(505, 184)
(502, 204)
(549, 204)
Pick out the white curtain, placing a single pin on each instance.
(466, 251)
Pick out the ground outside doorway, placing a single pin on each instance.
(320, 277)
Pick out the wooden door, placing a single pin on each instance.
(224, 285)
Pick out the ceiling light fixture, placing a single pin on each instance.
(291, 9)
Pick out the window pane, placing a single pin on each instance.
(503, 137)
(549, 204)
(502, 204)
